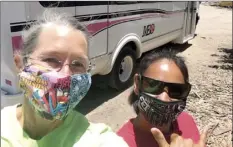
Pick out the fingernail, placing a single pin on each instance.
(153, 129)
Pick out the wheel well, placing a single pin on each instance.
(134, 47)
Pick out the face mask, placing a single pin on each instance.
(51, 94)
(158, 112)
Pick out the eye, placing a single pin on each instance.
(52, 62)
(77, 66)
(152, 86)
(76, 63)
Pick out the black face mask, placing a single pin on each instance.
(158, 112)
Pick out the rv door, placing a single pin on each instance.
(190, 20)
(12, 16)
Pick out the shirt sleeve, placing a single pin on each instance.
(100, 135)
(188, 127)
(110, 139)
(5, 143)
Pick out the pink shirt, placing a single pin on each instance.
(184, 126)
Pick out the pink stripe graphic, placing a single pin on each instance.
(94, 28)
(16, 43)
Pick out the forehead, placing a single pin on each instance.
(165, 70)
(61, 40)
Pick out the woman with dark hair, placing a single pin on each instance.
(161, 88)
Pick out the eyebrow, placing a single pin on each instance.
(49, 53)
(58, 54)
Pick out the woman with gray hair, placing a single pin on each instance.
(54, 75)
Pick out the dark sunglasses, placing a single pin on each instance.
(156, 87)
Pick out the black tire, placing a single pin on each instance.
(114, 79)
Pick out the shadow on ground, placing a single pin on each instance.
(225, 60)
(100, 92)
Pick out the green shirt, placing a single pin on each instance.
(76, 131)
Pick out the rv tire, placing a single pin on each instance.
(121, 76)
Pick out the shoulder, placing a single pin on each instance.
(99, 127)
(110, 138)
(126, 128)
(9, 125)
(100, 135)
(8, 109)
(185, 117)
(127, 133)
(4, 142)
(187, 126)
(8, 113)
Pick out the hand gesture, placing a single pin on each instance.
(178, 141)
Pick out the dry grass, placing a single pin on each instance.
(225, 4)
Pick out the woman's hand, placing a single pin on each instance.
(178, 141)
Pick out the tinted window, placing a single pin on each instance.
(90, 3)
(71, 3)
(57, 3)
(123, 2)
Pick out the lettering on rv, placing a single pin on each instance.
(148, 29)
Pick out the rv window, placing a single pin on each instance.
(123, 2)
(57, 3)
(71, 3)
(154, 1)
(148, 1)
(90, 3)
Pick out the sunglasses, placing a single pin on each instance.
(156, 87)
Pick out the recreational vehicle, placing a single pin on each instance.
(121, 31)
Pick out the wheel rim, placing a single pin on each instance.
(125, 69)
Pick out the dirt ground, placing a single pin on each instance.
(209, 58)
(210, 61)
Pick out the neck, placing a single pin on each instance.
(34, 125)
(143, 125)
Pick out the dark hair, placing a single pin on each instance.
(152, 57)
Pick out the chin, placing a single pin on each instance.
(158, 126)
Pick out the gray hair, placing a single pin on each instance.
(31, 33)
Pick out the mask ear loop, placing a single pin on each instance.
(136, 103)
(21, 69)
(25, 62)
(139, 83)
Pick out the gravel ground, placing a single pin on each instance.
(209, 57)
(210, 63)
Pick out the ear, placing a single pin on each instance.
(18, 62)
(136, 84)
